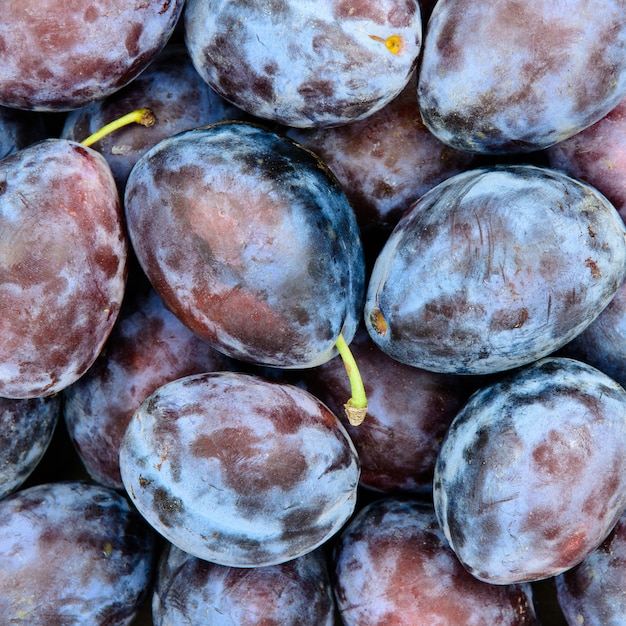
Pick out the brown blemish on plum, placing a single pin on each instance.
(593, 267)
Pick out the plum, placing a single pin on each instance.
(19, 129)
(148, 347)
(63, 265)
(59, 55)
(250, 241)
(516, 76)
(494, 268)
(189, 590)
(305, 64)
(393, 565)
(592, 593)
(73, 553)
(239, 470)
(176, 94)
(531, 475)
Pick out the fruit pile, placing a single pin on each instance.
(313, 312)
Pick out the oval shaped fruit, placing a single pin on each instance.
(305, 64)
(250, 241)
(518, 76)
(495, 268)
(63, 255)
(531, 475)
(238, 470)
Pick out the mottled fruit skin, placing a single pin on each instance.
(59, 55)
(239, 470)
(63, 265)
(408, 413)
(147, 348)
(517, 76)
(189, 590)
(250, 241)
(495, 268)
(594, 592)
(305, 64)
(392, 565)
(26, 429)
(172, 89)
(73, 553)
(597, 156)
(531, 476)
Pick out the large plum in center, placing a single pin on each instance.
(250, 241)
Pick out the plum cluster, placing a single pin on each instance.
(313, 313)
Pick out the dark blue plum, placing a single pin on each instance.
(189, 590)
(516, 76)
(19, 129)
(393, 565)
(250, 241)
(495, 268)
(73, 553)
(531, 475)
(239, 470)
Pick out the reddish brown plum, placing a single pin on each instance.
(250, 241)
(239, 470)
(593, 593)
(26, 429)
(179, 98)
(597, 156)
(58, 55)
(393, 565)
(73, 553)
(147, 348)
(495, 268)
(189, 590)
(517, 76)
(63, 265)
(409, 411)
(305, 64)
(531, 475)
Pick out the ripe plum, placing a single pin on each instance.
(58, 55)
(63, 265)
(392, 565)
(593, 593)
(179, 98)
(147, 348)
(189, 590)
(520, 75)
(26, 429)
(531, 475)
(305, 64)
(239, 470)
(495, 268)
(72, 553)
(250, 241)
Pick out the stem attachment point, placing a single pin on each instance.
(144, 116)
(356, 407)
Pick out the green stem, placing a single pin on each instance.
(145, 117)
(356, 407)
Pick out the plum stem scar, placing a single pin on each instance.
(144, 116)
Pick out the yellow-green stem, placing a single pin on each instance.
(356, 407)
(145, 117)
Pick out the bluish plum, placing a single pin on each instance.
(305, 64)
(393, 565)
(594, 592)
(239, 470)
(531, 475)
(250, 241)
(26, 429)
(63, 265)
(59, 55)
(73, 553)
(19, 129)
(516, 76)
(172, 89)
(189, 590)
(495, 268)
(147, 348)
